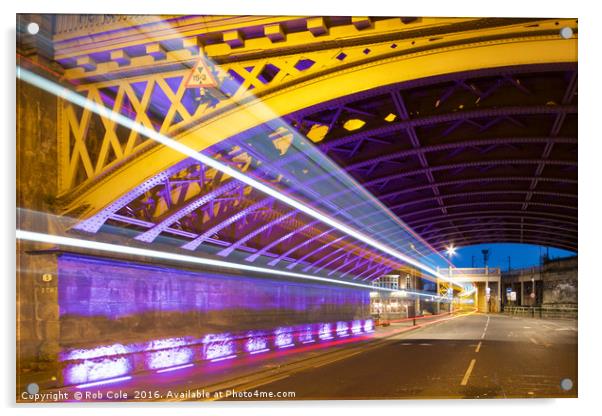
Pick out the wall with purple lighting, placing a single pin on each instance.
(108, 363)
(108, 304)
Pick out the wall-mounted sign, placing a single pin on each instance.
(201, 76)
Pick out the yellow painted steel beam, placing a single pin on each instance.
(325, 58)
(124, 34)
(204, 132)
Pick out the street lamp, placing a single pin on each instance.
(450, 251)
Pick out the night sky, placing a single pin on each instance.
(521, 255)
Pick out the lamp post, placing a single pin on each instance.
(450, 251)
(485, 262)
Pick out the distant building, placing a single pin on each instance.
(390, 281)
(553, 284)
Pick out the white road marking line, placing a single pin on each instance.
(478, 346)
(468, 372)
(485, 329)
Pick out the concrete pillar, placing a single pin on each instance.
(522, 292)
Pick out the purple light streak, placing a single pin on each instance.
(178, 367)
(259, 351)
(229, 357)
(107, 381)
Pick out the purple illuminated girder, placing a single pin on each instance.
(225, 252)
(328, 256)
(273, 167)
(376, 269)
(428, 81)
(279, 240)
(295, 248)
(343, 264)
(481, 193)
(321, 259)
(507, 230)
(484, 142)
(475, 180)
(358, 264)
(449, 236)
(375, 265)
(362, 253)
(502, 162)
(150, 235)
(316, 250)
(459, 145)
(558, 122)
(411, 132)
(450, 117)
(525, 225)
(286, 237)
(93, 224)
(497, 238)
(474, 214)
(304, 243)
(193, 245)
(491, 203)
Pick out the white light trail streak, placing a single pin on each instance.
(136, 251)
(102, 111)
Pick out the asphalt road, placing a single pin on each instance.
(474, 356)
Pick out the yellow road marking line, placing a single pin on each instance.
(478, 346)
(468, 372)
(322, 364)
(246, 387)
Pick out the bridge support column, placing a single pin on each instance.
(522, 293)
(38, 327)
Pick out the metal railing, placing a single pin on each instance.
(550, 312)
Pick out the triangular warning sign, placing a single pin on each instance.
(201, 76)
